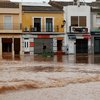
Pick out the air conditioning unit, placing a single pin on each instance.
(26, 29)
(75, 29)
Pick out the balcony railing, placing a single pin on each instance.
(39, 29)
(10, 26)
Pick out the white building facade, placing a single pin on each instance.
(77, 29)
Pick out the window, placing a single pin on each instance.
(7, 22)
(82, 20)
(74, 20)
(78, 20)
(49, 25)
(98, 20)
(37, 24)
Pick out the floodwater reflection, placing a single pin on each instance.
(96, 59)
(43, 58)
(82, 58)
(10, 57)
(59, 58)
(71, 59)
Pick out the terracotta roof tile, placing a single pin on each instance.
(8, 4)
(40, 8)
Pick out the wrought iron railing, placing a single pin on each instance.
(39, 29)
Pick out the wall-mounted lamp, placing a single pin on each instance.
(64, 22)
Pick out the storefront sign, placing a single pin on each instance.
(43, 36)
(60, 38)
(87, 36)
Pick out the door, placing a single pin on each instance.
(81, 45)
(59, 45)
(7, 45)
(97, 46)
(26, 45)
(17, 45)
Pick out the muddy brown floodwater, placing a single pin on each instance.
(37, 72)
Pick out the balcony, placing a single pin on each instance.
(10, 28)
(39, 29)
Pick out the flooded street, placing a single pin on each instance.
(26, 76)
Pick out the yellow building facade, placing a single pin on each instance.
(57, 19)
(42, 26)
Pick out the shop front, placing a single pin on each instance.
(79, 44)
(38, 43)
(95, 42)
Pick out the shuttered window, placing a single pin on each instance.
(7, 22)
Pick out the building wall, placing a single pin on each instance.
(10, 10)
(96, 35)
(16, 14)
(15, 18)
(12, 33)
(31, 38)
(27, 19)
(77, 11)
(74, 10)
(27, 22)
(94, 16)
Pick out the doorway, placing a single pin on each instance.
(6, 45)
(26, 45)
(59, 45)
(17, 45)
(81, 45)
(97, 45)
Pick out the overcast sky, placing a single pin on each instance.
(48, 0)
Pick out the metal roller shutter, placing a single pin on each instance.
(38, 45)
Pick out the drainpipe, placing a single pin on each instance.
(13, 53)
(20, 20)
(0, 48)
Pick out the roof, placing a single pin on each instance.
(37, 7)
(95, 6)
(61, 4)
(8, 4)
(35, 4)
